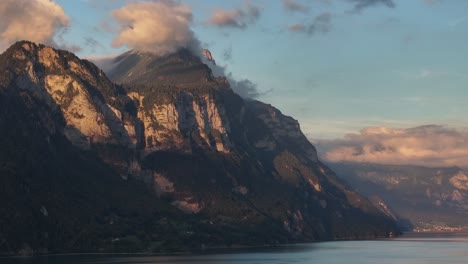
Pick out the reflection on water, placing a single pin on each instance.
(410, 249)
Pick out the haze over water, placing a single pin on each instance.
(411, 249)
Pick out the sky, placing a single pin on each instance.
(342, 68)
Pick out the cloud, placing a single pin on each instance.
(320, 24)
(246, 88)
(104, 62)
(359, 5)
(92, 43)
(430, 145)
(227, 54)
(239, 18)
(297, 28)
(35, 20)
(294, 6)
(160, 27)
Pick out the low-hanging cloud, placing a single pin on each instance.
(246, 88)
(160, 27)
(430, 145)
(294, 6)
(362, 4)
(320, 24)
(35, 20)
(238, 18)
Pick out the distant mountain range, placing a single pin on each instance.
(168, 158)
(422, 198)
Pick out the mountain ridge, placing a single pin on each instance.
(424, 198)
(238, 171)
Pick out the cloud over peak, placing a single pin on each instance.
(237, 18)
(430, 145)
(34, 20)
(160, 27)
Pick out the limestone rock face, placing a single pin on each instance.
(180, 122)
(68, 84)
(184, 121)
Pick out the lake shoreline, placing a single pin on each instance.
(436, 248)
(201, 251)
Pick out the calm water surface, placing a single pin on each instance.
(412, 249)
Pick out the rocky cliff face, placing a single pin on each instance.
(184, 120)
(222, 169)
(74, 87)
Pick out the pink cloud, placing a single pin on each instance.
(159, 27)
(425, 145)
(35, 20)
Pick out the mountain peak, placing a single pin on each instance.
(209, 57)
(28, 50)
(181, 69)
(25, 44)
(26, 58)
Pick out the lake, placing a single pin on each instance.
(409, 249)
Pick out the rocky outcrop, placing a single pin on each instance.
(182, 122)
(65, 82)
(208, 56)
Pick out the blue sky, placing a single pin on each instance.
(400, 66)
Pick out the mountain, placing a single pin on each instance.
(167, 159)
(424, 199)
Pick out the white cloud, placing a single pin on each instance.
(430, 145)
(160, 27)
(243, 87)
(34, 20)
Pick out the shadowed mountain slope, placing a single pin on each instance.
(169, 160)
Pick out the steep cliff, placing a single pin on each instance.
(92, 105)
(169, 158)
